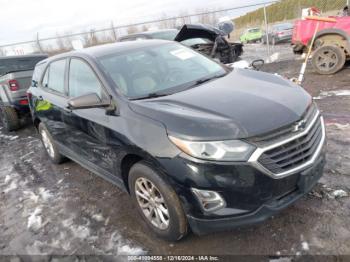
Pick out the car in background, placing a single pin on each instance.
(279, 33)
(15, 78)
(331, 48)
(205, 39)
(196, 144)
(251, 35)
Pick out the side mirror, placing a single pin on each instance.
(257, 64)
(87, 101)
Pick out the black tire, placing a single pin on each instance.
(328, 60)
(9, 118)
(55, 156)
(178, 226)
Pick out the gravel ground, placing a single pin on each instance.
(48, 209)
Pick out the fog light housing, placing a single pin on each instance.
(210, 201)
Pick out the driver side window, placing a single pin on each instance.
(82, 80)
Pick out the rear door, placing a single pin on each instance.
(49, 99)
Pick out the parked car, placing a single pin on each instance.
(15, 76)
(206, 39)
(251, 35)
(280, 33)
(332, 43)
(195, 143)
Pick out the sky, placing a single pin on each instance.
(21, 20)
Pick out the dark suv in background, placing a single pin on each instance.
(196, 144)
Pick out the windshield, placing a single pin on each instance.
(18, 64)
(168, 68)
(283, 26)
(165, 35)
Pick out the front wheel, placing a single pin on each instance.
(328, 60)
(157, 202)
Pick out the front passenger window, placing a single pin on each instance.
(82, 80)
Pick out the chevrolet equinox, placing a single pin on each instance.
(196, 144)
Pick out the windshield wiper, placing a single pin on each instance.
(151, 95)
(207, 79)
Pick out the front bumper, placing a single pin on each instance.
(306, 181)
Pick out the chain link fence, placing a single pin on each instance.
(263, 18)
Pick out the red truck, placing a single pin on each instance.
(331, 48)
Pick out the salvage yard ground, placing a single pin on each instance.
(48, 209)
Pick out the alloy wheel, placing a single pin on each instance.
(47, 143)
(152, 203)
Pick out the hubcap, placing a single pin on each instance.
(327, 60)
(152, 203)
(47, 143)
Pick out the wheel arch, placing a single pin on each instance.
(337, 32)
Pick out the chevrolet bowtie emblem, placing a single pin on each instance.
(299, 126)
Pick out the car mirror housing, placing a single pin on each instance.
(87, 101)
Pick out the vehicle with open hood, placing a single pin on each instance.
(206, 39)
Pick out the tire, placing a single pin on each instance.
(328, 60)
(163, 197)
(49, 145)
(9, 118)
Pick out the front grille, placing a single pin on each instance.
(284, 132)
(294, 153)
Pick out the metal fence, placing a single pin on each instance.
(263, 16)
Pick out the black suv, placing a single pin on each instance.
(196, 145)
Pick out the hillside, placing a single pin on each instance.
(286, 10)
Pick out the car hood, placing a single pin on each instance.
(242, 104)
(189, 31)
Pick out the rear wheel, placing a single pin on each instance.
(49, 145)
(9, 118)
(328, 60)
(157, 202)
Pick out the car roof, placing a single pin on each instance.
(107, 49)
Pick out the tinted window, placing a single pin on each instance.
(82, 79)
(18, 64)
(255, 30)
(39, 69)
(54, 76)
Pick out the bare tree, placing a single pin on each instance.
(132, 29)
(2, 52)
(144, 28)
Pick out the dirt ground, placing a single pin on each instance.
(48, 209)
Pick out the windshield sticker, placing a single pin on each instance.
(183, 54)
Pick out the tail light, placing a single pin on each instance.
(23, 102)
(280, 33)
(13, 85)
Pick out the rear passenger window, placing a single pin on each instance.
(37, 74)
(82, 80)
(54, 76)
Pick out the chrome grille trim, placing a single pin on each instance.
(253, 160)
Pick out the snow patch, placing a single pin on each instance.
(324, 94)
(35, 220)
(339, 193)
(11, 187)
(305, 246)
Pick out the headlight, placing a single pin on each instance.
(228, 150)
